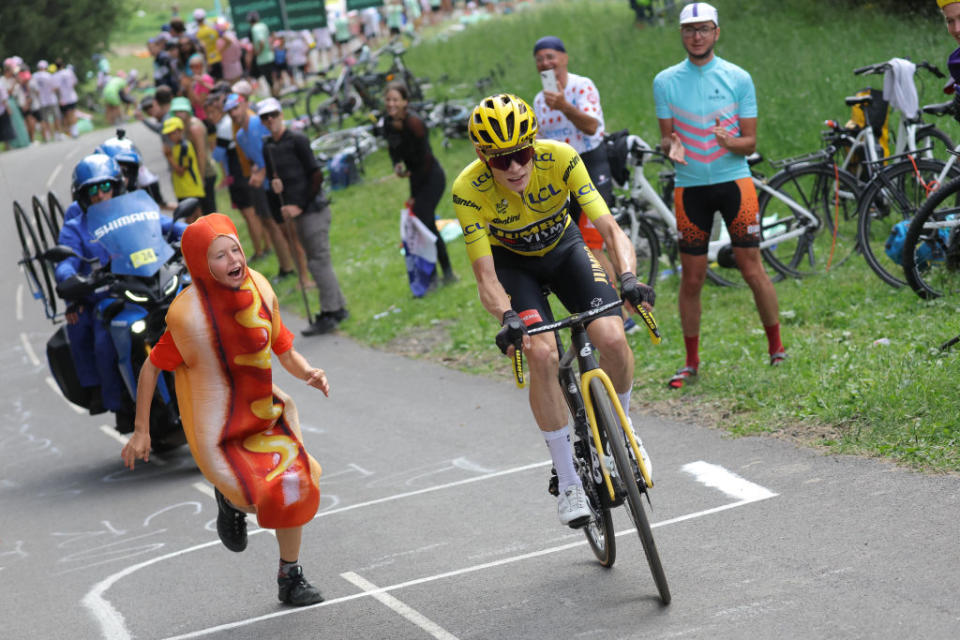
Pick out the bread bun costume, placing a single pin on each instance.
(243, 431)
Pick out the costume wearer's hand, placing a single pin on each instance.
(317, 379)
(137, 448)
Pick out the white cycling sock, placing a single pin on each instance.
(625, 400)
(561, 450)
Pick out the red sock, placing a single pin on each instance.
(774, 345)
(692, 343)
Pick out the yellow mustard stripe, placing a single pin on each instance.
(265, 409)
(250, 318)
(285, 446)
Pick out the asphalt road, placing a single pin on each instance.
(435, 521)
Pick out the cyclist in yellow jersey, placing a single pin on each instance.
(512, 205)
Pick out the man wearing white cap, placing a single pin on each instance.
(296, 185)
(707, 111)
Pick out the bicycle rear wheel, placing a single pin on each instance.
(45, 226)
(893, 196)
(931, 250)
(38, 272)
(56, 212)
(940, 144)
(609, 424)
(828, 195)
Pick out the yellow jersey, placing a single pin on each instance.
(529, 223)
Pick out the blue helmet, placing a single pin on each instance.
(94, 169)
(126, 154)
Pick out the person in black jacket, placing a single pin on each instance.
(408, 141)
(296, 182)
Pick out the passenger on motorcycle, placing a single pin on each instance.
(96, 178)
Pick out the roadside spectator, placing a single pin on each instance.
(296, 181)
(262, 52)
(6, 125)
(249, 134)
(394, 17)
(207, 35)
(341, 33)
(25, 102)
(409, 143)
(165, 70)
(185, 174)
(115, 98)
(196, 84)
(195, 131)
(227, 154)
(281, 71)
(324, 46)
(297, 49)
(231, 51)
(65, 81)
(46, 105)
(371, 24)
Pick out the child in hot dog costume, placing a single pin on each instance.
(242, 430)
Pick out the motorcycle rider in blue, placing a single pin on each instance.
(96, 178)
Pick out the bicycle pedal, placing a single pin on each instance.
(553, 487)
(579, 523)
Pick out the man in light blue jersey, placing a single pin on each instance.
(707, 111)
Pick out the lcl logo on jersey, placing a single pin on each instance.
(543, 195)
(482, 179)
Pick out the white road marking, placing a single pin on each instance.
(112, 624)
(403, 609)
(53, 176)
(28, 348)
(204, 488)
(716, 477)
(19, 305)
(53, 385)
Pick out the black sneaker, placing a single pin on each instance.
(323, 324)
(231, 524)
(339, 315)
(295, 590)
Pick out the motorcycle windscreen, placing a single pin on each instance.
(129, 228)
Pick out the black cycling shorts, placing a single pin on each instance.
(569, 270)
(737, 203)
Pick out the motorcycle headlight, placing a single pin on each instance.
(138, 327)
(171, 286)
(134, 297)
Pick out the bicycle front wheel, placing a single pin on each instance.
(824, 231)
(892, 197)
(627, 470)
(599, 530)
(931, 250)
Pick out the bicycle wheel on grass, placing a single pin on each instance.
(38, 272)
(609, 423)
(931, 250)
(827, 193)
(941, 144)
(893, 196)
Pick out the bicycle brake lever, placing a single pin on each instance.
(518, 366)
(651, 323)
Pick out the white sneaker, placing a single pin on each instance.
(572, 505)
(643, 452)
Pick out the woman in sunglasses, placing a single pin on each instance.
(512, 203)
(409, 143)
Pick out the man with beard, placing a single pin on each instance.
(707, 111)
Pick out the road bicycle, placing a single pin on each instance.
(889, 201)
(857, 149)
(36, 268)
(619, 475)
(931, 249)
(798, 210)
(330, 102)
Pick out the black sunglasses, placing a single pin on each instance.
(269, 116)
(503, 161)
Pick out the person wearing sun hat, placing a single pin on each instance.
(195, 131)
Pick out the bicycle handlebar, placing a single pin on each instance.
(883, 67)
(580, 318)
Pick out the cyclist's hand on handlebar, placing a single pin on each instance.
(76, 287)
(512, 332)
(635, 292)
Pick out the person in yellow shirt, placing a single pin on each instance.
(187, 181)
(208, 36)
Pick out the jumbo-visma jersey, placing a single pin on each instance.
(530, 223)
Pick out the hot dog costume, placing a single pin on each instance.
(242, 430)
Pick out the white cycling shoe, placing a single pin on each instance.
(572, 506)
(643, 452)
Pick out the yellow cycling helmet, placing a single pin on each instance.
(500, 122)
(943, 3)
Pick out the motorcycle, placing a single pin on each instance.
(133, 292)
